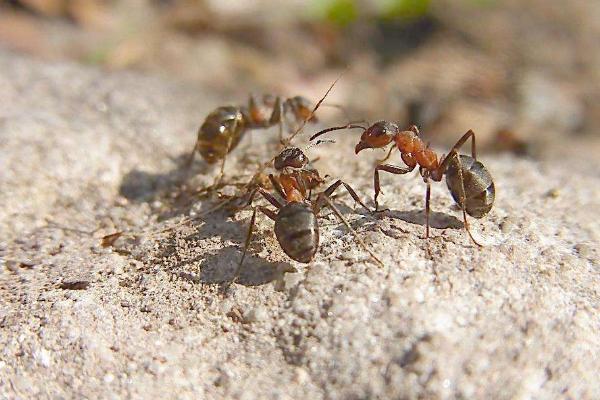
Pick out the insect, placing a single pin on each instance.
(469, 182)
(296, 219)
(224, 127)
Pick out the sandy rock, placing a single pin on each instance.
(85, 153)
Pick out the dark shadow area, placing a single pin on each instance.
(176, 196)
(218, 266)
(141, 186)
(437, 220)
(175, 190)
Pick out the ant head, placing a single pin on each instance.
(292, 157)
(301, 108)
(378, 135)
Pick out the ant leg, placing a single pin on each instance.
(190, 160)
(393, 169)
(246, 244)
(387, 156)
(270, 198)
(219, 177)
(277, 185)
(462, 198)
(329, 191)
(277, 117)
(427, 208)
(268, 213)
(315, 108)
(470, 134)
(441, 169)
(327, 200)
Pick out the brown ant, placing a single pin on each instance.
(258, 179)
(296, 222)
(224, 127)
(469, 182)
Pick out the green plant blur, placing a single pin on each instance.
(344, 12)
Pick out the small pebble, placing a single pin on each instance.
(584, 250)
(507, 225)
(292, 280)
(109, 378)
(301, 377)
(256, 314)
(146, 308)
(225, 306)
(43, 357)
(74, 284)
(224, 379)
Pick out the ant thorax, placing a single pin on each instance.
(300, 108)
(259, 112)
(408, 142)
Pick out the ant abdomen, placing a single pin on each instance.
(478, 184)
(220, 133)
(297, 231)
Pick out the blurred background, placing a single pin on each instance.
(525, 75)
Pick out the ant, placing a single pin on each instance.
(258, 179)
(296, 219)
(224, 127)
(469, 182)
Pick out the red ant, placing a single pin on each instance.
(296, 225)
(469, 182)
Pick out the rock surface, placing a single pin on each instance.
(85, 153)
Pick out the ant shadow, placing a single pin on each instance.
(212, 266)
(174, 189)
(218, 266)
(140, 186)
(437, 220)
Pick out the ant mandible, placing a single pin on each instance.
(296, 223)
(469, 182)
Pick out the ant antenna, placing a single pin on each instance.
(317, 143)
(335, 128)
(315, 108)
(288, 140)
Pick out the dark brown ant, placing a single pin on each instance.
(224, 127)
(469, 182)
(259, 179)
(296, 221)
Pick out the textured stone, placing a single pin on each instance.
(86, 153)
